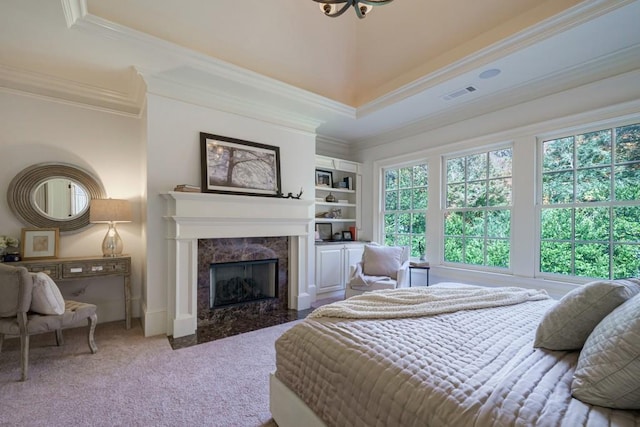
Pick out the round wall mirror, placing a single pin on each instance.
(54, 195)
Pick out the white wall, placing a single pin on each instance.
(36, 130)
(610, 99)
(173, 147)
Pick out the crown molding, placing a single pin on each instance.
(47, 86)
(182, 90)
(73, 11)
(332, 147)
(617, 63)
(78, 17)
(570, 18)
(240, 91)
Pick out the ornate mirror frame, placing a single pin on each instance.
(21, 195)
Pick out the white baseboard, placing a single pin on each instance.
(154, 322)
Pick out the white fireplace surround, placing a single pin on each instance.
(193, 216)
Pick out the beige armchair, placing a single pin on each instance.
(18, 318)
(381, 267)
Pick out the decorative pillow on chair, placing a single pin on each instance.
(608, 371)
(46, 297)
(567, 325)
(382, 260)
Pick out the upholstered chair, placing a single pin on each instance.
(381, 267)
(31, 303)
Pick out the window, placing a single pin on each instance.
(590, 210)
(477, 214)
(405, 207)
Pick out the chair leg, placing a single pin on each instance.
(24, 345)
(93, 319)
(59, 337)
(24, 356)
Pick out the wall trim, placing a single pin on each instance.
(49, 87)
(77, 16)
(622, 61)
(556, 24)
(154, 322)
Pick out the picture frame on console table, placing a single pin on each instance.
(39, 243)
(235, 166)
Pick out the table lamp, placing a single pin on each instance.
(110, 211)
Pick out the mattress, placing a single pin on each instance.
(467, 368)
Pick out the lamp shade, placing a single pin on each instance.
(110, 210)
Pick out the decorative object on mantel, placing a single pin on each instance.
(290, 195)
(332, 8)
(235, 166)
(40, 243)
(330, 198)
(187, 188)
(110, 211)
(7, 246)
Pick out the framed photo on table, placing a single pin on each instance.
(346, 235)
(40, 243)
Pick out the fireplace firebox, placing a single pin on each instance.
(241, 282)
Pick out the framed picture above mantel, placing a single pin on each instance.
(235, 166)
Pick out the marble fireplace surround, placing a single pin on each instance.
(193, 216)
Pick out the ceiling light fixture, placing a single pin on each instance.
(335, 8)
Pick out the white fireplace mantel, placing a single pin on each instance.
(193, 216)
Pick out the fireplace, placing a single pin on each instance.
(243, 282)
(241, 278)
(194, 218)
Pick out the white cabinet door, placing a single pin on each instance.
(329, 268)
(352, 255)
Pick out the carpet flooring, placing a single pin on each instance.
(138, 381)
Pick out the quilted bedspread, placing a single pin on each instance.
(467, 368)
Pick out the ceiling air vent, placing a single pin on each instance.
(459, 92)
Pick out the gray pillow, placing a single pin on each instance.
(608, 371)
(567, 325)
(382, 260)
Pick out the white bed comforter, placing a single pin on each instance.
(467, 368)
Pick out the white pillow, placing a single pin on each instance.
(382, 260)
(608, 371)
(567, 325)
(46, 297)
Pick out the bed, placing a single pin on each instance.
(463, 367)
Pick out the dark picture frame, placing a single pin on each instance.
(346, 235)
(324, 178)
(325, 230)
(236, 166)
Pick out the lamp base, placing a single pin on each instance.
(112, 243)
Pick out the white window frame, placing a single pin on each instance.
(572, 132)
(382, 192)
(444, 209)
